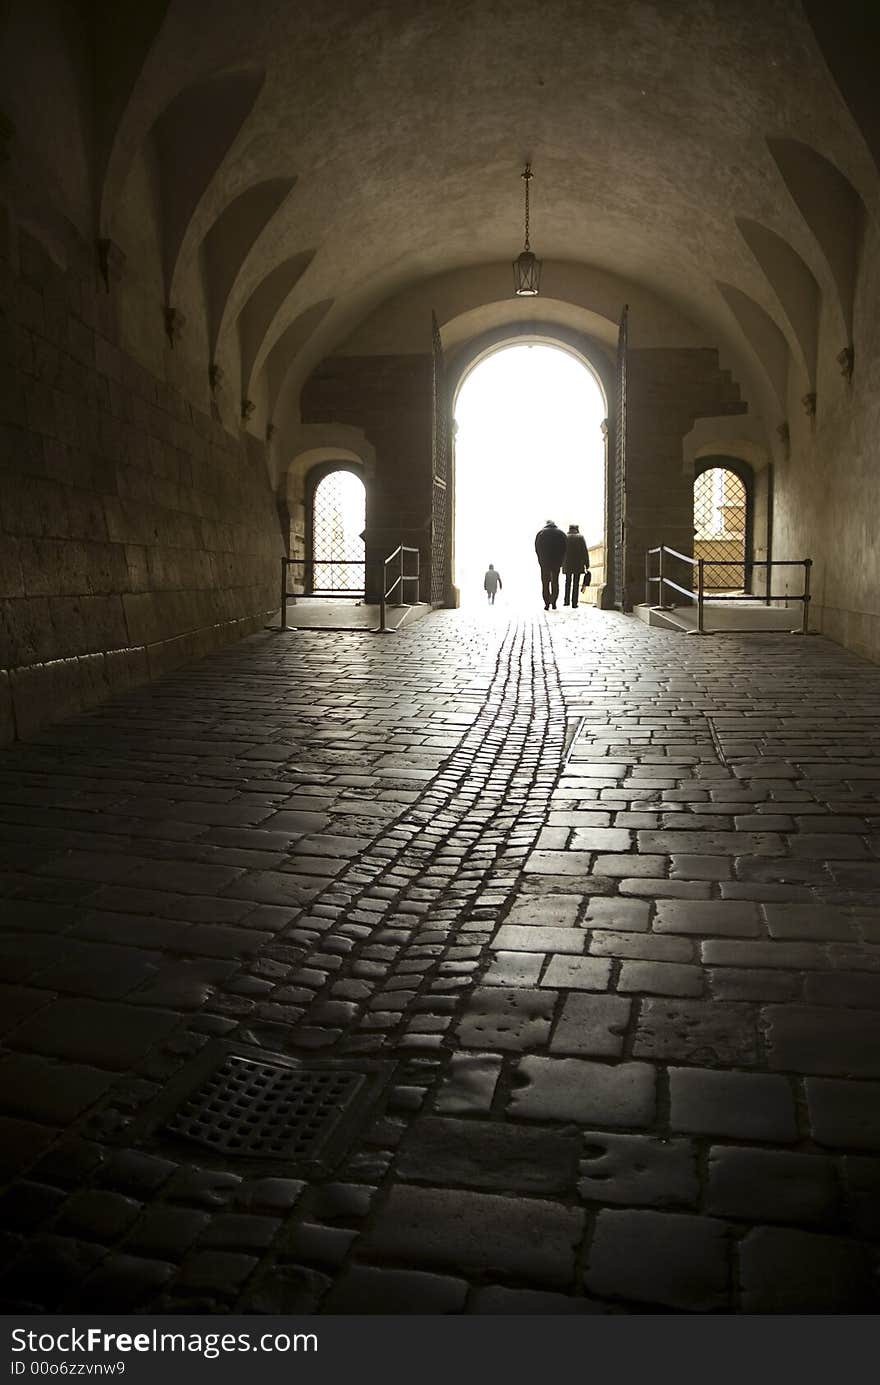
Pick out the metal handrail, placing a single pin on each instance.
(388, 591)
(401, 550)
(668, 582)
(673, 553)
(700, 594)
(754, 562)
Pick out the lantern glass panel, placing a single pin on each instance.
(526, 275)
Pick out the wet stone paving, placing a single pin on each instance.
(595, 908)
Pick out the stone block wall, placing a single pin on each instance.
(135, 531)
(827, 495)
(389, 397)
(667, 389)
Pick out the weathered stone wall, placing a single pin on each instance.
(134, 530)
(389, 397)
(667, 389)
(827, 493)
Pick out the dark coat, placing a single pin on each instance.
(550, 546)
(492, 581)
(577, 555)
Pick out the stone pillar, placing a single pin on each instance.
(668, 388)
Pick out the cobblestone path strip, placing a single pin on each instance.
(629, 986)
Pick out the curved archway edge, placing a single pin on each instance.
(317, 473)
(592, 355)
(746, 474)
(589, 354)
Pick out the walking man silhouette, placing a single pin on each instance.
(576, 564)
(550, 548)
(492, 583)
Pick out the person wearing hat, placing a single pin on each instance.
(550, 547)
(576, 563)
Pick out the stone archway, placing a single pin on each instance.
(321, 448)
(336, 500)
(724, 522)
(572, 480)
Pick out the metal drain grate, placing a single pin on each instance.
(259, 1109)
(240, 1102)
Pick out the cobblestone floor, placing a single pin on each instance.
(605, 899)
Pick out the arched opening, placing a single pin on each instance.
(723, 523)
(529, 447)
(336, 523)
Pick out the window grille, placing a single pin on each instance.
(720, 528)
(338, 519)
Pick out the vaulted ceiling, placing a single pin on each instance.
(311, 159)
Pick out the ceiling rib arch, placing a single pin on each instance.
(191, 138)
(767, 342)
(551, 314)
(283, 354)
(793, 284)
(123, 36)
(262, 308)
(230, 240)
(833, 211)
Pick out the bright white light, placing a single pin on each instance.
(529, 448)
(339, 516)
(352, 507)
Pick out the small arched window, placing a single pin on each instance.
(338, 520)
(721, 521)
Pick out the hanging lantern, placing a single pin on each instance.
(526, 266)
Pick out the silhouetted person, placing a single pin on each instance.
(576, 563)
(492, 583)
(550, 548)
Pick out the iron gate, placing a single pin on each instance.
(440, 448)
(618, 505)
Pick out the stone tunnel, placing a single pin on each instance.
(526, 961)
